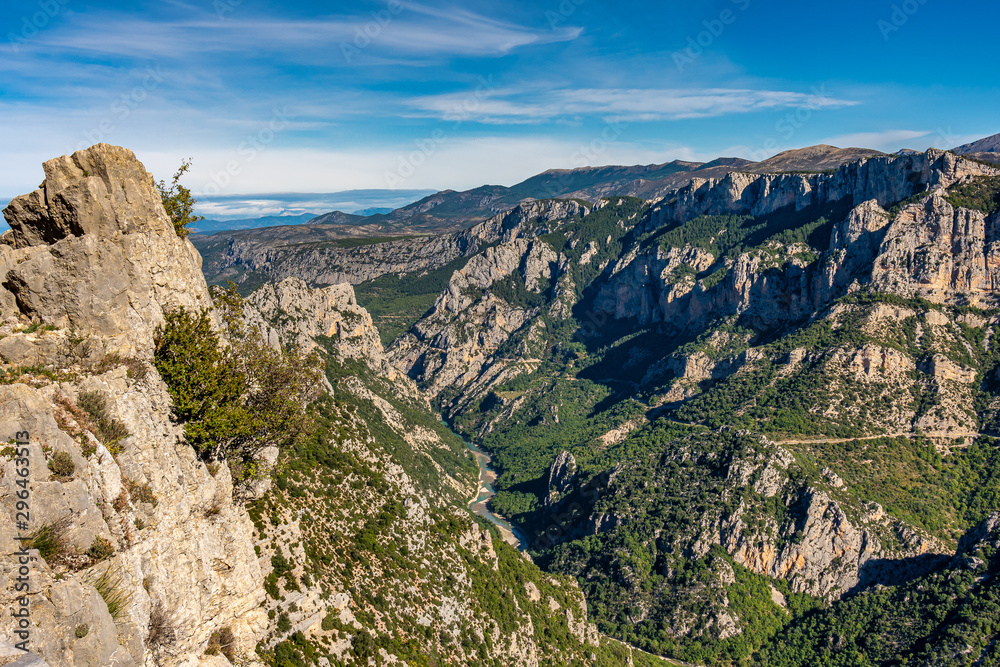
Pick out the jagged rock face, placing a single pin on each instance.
(102, 191)
(532, 218)
(190, 553)
(886, 180)
(453, 345)
(327, 263)
(293, 314)
(928, 249)
(561, 474)
(935, 251)
(93, 255)
(93, 251)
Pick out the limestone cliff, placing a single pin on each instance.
(328, 262)
(140, 555)
(89, 267)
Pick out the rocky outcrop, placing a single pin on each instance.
(561, 475)
(454, 345)
(328, 262)
(936, 251)
(886, 180)
(91, 264)
(928, 249)
(92, 251)
(293, 315)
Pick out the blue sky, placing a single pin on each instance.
(327, 97)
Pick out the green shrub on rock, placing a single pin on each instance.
(234, 399)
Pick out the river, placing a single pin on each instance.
(480, 504)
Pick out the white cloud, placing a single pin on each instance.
(513, 107)
(412, 29)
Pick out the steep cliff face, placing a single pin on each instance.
(454, 344)
(293, 315)
(93, 252)
(927, 249)
(850, 317)
(329, 262)
(886, 180)
(89, 267)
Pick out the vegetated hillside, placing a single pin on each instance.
(251, 257)
(725, 411)
(166, 524)
(372, 550)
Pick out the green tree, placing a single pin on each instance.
(234, 394)
(178, 202)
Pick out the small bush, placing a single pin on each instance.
(111, 587)
(62, 466)
(108, 430)
(161, 627)
(214, 508)
(178, 202)
(222, 641)
(100, 549)
(234, 401)
(82, 630)
(284, 623)
(51, 542)
(121, 502)
(140, 493)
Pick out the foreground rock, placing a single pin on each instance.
(89, 267)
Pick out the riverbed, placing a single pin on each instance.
(480, 504)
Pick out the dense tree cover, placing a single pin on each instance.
(946, 618)
(644, 583)
(514, 291)
(729, 235)
(981, 194)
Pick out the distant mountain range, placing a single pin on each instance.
(450, 210)
(209, 226)
(987, 145)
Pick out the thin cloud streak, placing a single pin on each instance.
(507, 107)
(416, 31)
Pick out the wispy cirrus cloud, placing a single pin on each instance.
(412, 31)
(629, 104)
